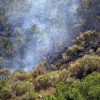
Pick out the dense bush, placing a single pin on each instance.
(29, 96)
(86, 43)
(65, 77)
(45, 82)
(20, 75)
(88, 40)
(73, 52)
(40, 70)
(6, 93)
(5, 90)
(85, 65)
(20, 88)
(88, 89)
(76, 82)
(4, 73)
(3, 83)
(98, 51)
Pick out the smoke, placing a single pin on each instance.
(50, 22)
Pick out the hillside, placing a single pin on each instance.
(68, 77)
(70, 72)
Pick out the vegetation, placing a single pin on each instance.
(87, 89)
(77, 78)
(85, 65)
(74, 74)
(90, 14)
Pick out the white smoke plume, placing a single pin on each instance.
(53, 20)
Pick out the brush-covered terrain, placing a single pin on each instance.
(72, 74)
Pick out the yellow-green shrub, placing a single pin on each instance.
(85, 65)
(45, 82)
(29, 96)
(20, 75)
(20, 88)
(40, 70)
(6, 93)
(98, 51)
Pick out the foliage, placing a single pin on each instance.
(73, 52)
(6, 93)
(75, 79)
(20, 75)
(66, 77)
(45, 82)
(4, 73)
(5, 90)
(20, 88)
(88, 89)
(79, 60)
(29, 96)
(88, 39)
(89, 15)
(3, 83)
(98, 51)
(85, 65)
(86, 43)
(40, 70)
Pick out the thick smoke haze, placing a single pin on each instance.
(51, 21)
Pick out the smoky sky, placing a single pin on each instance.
(53, 21)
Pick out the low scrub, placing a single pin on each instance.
(84, 66)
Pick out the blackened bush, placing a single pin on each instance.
(73, 52)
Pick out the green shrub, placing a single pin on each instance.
(98, 51)
(87, 39)
(20, 88)
(85, 65)
(5, 90)
(94, 93)
(4, 73)
(40, 70)
(6, 93)
(90, 87)
(87, 89)
(4, 70)
(45, 82)
(3, 83)
(64, 92)
(85, 3)
(50, 97)
(65, 77)
(20, 75)
(29, 96)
